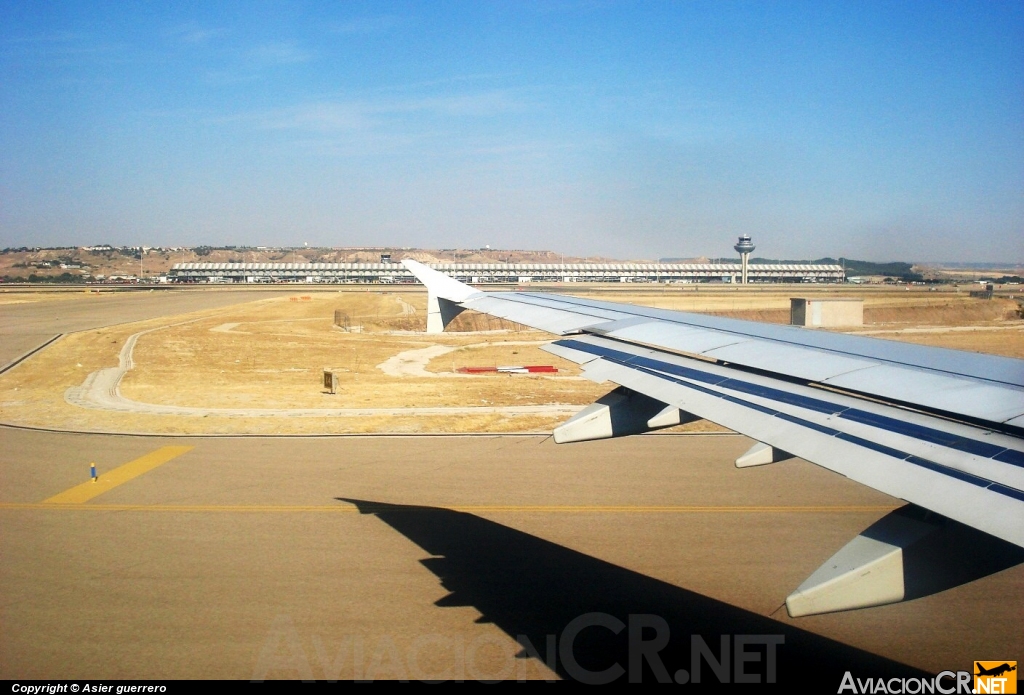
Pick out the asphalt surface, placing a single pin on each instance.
(446, 557)
(239, 546)
(28, 325)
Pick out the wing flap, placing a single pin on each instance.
(802, 363)
(696, 341)
(951, 394)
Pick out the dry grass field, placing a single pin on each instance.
(269, 355)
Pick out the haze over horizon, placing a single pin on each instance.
(878, 131)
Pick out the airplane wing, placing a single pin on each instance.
(941, 429)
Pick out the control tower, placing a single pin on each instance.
(744, 247)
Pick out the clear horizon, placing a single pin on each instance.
(866, 130)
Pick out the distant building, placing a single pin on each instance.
(504, 273)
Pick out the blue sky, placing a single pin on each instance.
(635, 130)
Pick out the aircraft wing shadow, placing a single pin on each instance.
(531, 588)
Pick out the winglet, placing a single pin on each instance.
(439, 284)
(444, 294)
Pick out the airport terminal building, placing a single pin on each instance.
(502, 273)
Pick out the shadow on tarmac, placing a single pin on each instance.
(594, 621)
(953, 555)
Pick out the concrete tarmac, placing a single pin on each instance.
(428, 557)
(24, 326)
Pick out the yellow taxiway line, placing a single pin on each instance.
(483, 509)
(120, 475)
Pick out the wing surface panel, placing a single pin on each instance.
(895, 463)
(939, 390)
(535, 314)
(962, 447)
(969, 500)
(963, 439)
(995, 368)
